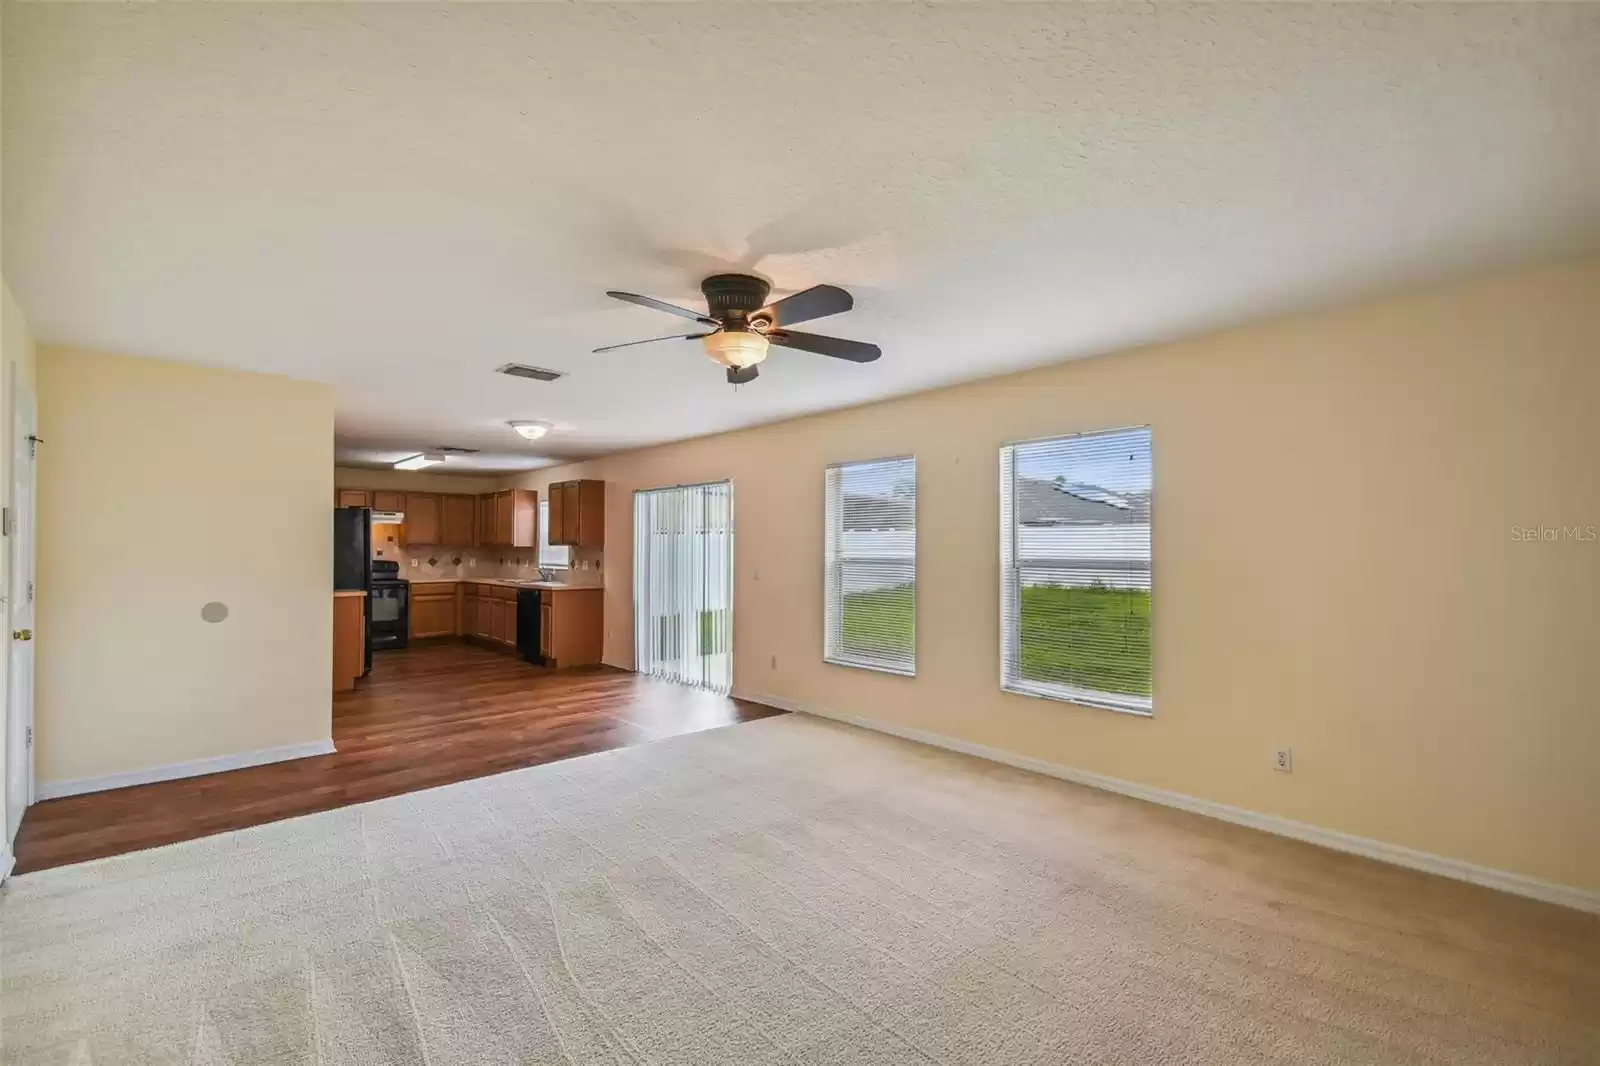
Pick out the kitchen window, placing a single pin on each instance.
(870, 592)
(1075, 586)
(551, 557)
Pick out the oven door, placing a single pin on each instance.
(391, 614)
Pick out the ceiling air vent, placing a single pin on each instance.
(451, 449)
(537, 373)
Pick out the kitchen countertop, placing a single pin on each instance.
(554, 586)
(348, 592)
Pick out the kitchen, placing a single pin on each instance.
(505, 570)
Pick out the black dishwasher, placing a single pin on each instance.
(528, 625)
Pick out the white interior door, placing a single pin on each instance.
(19, 701)
(683, 584)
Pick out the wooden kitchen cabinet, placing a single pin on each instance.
(458, 519)
(485, 530)
(511, 519)
(571, 626)
(349, 638)
(388, 501)
(491, 613)
(578, 513)
(424, 523)
(352, 498)
(433, 609)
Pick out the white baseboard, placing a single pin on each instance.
(8, 862)
(1567, 896)
(217, 764)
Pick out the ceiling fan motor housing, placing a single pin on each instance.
(734, 296)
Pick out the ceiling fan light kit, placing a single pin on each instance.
(743, 324)
(735, 349)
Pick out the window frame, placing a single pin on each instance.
(1010, 589)
(876, 666)
(542, 537)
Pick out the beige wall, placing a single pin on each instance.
(16, 365)
(1335, 566)
(149, 472)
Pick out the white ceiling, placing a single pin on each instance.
(396, 199)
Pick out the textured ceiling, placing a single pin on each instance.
(396, 199)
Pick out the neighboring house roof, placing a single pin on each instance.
(879, 512)
(1047, 503)
(1039, 503)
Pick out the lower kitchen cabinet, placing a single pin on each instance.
(571, 632)
(490, 613)
(433, 609)
(571, 626)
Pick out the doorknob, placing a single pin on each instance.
(22, 634)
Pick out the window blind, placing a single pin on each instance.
(1075, 569)
(683, 584)
(870, 587)
(558, 556)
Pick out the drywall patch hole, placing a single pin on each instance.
(215, 611)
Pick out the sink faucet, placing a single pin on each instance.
(546, 575)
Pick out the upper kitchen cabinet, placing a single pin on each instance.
(352, 498)
(424, 518)
(578, 513)
(388, 501)
(459, 521)
(511, 519)
(485, 527)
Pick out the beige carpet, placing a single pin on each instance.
(783, 891)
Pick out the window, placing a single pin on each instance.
(1075, 569)
(683, 584)
(870, 598)
(554, 557)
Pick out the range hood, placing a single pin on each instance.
(388, 518)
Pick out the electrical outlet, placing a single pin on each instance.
(1283, 760)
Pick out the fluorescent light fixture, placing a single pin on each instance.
(531, 430)
(417, 462)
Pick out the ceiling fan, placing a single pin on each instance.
(742, 323)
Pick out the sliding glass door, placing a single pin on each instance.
(683, 584)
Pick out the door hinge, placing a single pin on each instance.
(30, 592)
(30, 736)
(5, 521)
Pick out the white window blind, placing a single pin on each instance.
(557, 556)
(870, 598)
(683, 584)
(1075, 569)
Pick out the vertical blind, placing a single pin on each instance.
(683, 584)
(1075, 569)
(870, 588)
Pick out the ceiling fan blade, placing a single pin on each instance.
(815, 302)
(739, 377)
(659, 305)
(652, 340)
(838, 347)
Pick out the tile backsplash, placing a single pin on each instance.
(460, 564)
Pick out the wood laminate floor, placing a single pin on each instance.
(428, 715)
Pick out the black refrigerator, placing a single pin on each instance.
(352, 562)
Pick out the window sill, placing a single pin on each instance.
(877, 668)
(1084, 698)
